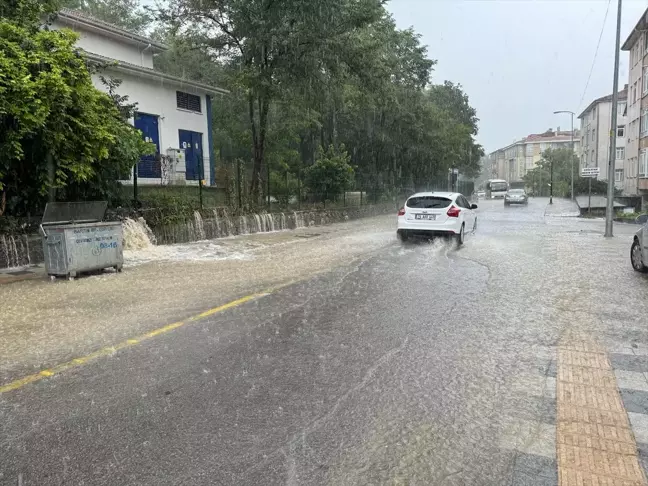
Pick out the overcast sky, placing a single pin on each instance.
(521, 60)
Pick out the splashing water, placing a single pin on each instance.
(299, 220)
(137, 234)
(243, 226)
(10, 250)
(199, 226)
(269, 222)
(259, 223)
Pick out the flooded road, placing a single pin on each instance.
(358, 360)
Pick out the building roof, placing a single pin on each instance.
(642, 25)
(549, 137)
(153, 74)
(623, 96)
(72, 17)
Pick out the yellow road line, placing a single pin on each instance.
(594, 440)
(110, 350)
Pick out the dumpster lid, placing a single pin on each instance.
(74, 212)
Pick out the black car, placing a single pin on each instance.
(516, 196)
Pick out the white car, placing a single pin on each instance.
(639, 250)
(429, 214)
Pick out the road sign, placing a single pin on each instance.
(590, 171)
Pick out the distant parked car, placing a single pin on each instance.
(516, 196)
(430, 214)
(481, 193)
(639, 250)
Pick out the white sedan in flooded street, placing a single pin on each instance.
(430, 214)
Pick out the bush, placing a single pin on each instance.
(331, 174)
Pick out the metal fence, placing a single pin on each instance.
(280, 190)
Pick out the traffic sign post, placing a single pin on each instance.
(590, 173)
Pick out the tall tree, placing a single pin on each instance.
(56, 128)
(128, 14)
(273, 43)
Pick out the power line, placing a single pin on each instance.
(580, 104)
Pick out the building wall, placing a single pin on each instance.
(630, 166)
(104, 45)
(513, 162)
(158, 98)
(596, 125)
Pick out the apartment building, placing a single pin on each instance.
(516, 159)
(595, 123)
(635, 180)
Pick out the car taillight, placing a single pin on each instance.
(453, 212)
(401, 212)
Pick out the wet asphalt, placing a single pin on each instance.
(406, 367)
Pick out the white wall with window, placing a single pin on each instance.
(618, 175)
(176, 108)
(643, 163)
(620, 153)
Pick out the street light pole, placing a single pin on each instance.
(572, 148)
(613, 129)
(572, 157)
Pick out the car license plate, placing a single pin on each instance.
(430, 217)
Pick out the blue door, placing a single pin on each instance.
(149, 165)
(191, 142)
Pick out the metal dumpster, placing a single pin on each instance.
(75, 239)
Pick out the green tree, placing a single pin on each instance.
(127, 14)
(28, 13)
(366, 88)
(272, 43)
(56, 128)
(125, 150)
(331, 175)
(562, 159)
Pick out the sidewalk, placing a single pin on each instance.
(562, 208)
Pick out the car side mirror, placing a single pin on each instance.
(473, 206)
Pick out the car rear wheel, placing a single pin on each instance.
(460, 236)
(402, 235)
(636, 258)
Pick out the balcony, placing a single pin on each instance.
(643, 184)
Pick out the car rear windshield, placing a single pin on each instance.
(516, 191)
(428, 202)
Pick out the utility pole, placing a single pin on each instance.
(613, 129)
(551, 182)
(572, 155)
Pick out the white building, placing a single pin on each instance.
(172, 112)
(596, 122)
(512, 162)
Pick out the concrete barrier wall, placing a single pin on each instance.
(17, 250)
